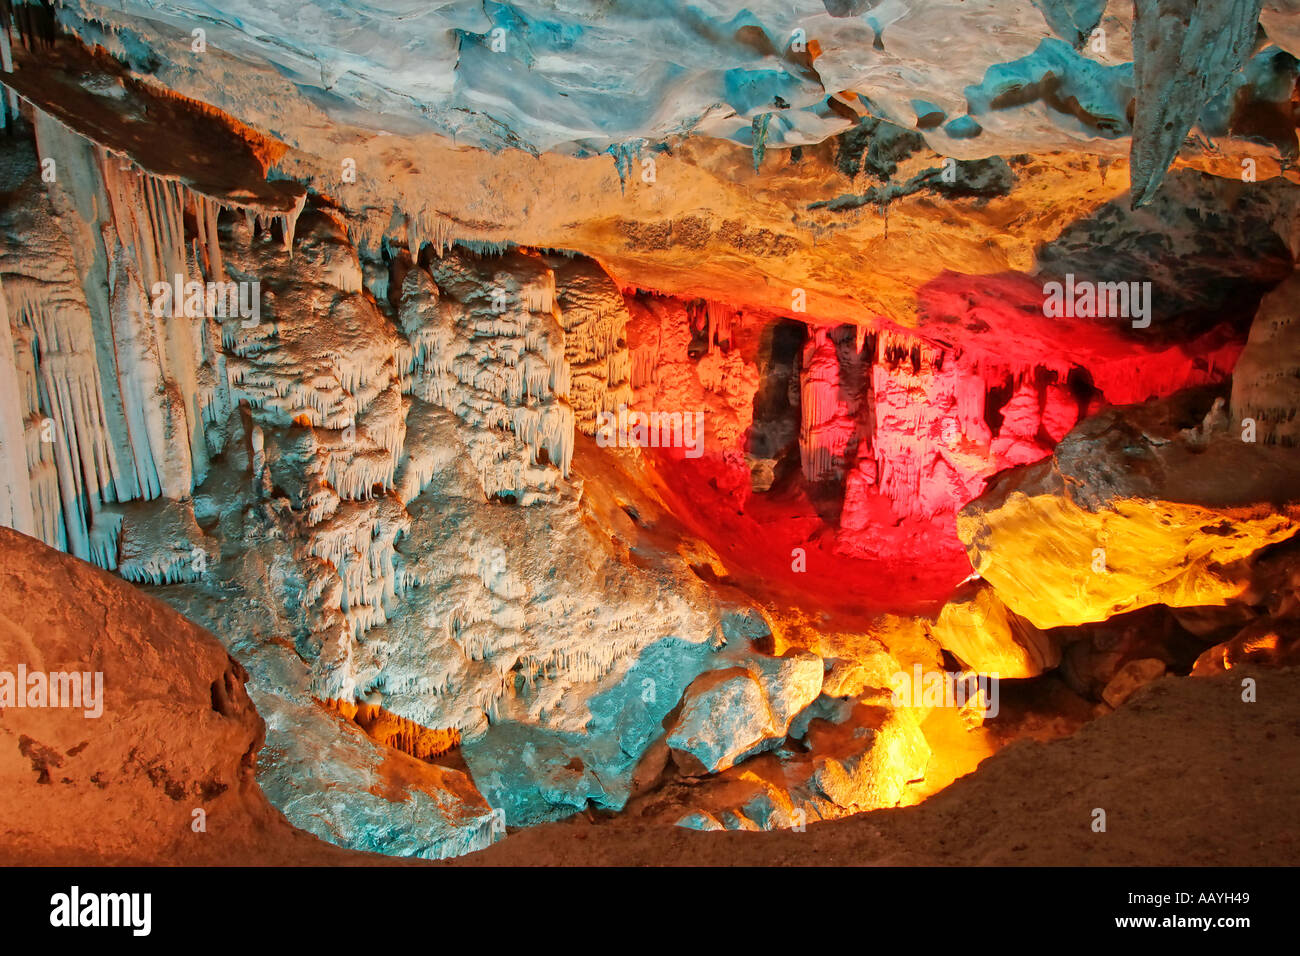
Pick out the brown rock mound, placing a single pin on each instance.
(164, 773)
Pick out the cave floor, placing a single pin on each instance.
(1187, 772)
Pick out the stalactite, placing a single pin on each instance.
(593, 317)
(496, 369)
(16, 501)
(758, 134)
(429, 227)
(624, 154)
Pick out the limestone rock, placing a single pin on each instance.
(790, 683)
(724, 718)
(162, 727)
(161, 543)
(1139, 505)
(869, 767)
(330, 779)
(731, 713)
(1266, 381)
(1183, 55)
(991, 639)
(1267, 642)
(1130, 677)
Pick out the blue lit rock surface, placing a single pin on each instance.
(383, 126)
(730, 714)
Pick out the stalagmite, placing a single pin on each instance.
(827, 428)
(358, 425)
(1266, 383)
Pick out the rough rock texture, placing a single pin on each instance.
(870, 771)
(1266, 381)
(1130, 677)
(177, 734)
(728, 715)
(1133, 509)
(701, 222)
(1183, 55)
(825, 229)
(841, 757)
(990, 639)
(1032, 804)
(1269, 643)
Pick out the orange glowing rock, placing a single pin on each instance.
(392, 730)
(990, 639)
(1134, 508)
(871, 771)
(1130, 677)
(1272, 643)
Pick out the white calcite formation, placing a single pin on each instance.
(594, 316)
(918, 445)
(974, 77)
(384, 484)
(614, 76)
(829, 396)
(1266, 382)
(495, 356)
(116, 400)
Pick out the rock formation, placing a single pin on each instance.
(144, 747)
(565, 415)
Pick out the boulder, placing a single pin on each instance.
(731, 713)
(1130, 677)
(1267, 642)
(790, 683)
(1158, 503)
(867, 764)
(724, 718)
(989, 639)
(867, 673)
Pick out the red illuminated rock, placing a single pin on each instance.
(389, 465)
